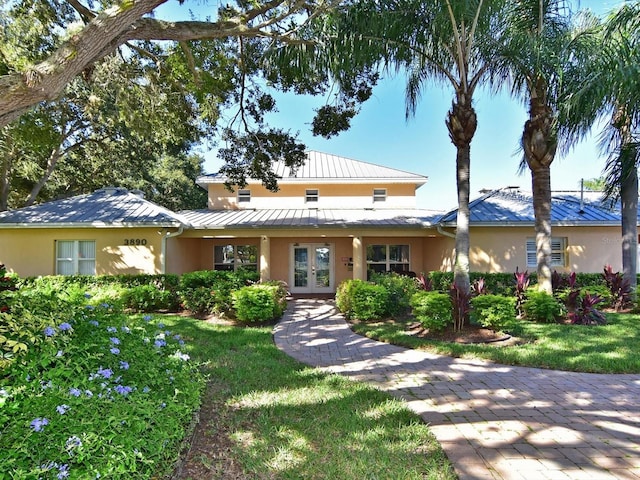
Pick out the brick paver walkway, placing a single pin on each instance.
(493, 421)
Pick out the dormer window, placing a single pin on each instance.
(379, 194)
(244, 196)
(311, 195)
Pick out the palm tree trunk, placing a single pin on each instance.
(462, 123)
(539, 143)
(629, 213)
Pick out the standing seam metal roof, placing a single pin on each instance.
(323, 167)
(107, 206)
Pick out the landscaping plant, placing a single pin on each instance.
(259, 303)
(521, 286)
(586, 312)
(400, 289)
(461, 302)
(362, 300)
(432, 309)
(619, 287)
(495, 312)
(539, 306)
(98, 395)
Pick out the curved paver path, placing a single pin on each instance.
(493, 421)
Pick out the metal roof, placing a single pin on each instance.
(512, 206)
(301, 218)
(326, 168)
(105, 207)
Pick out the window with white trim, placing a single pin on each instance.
(244, 196)
(379, 195)
(558, 252)
(311, 195)
(235, 257)
(388, 258)
(75, 257)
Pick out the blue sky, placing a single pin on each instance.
(380, 134)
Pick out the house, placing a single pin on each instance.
(332, 219)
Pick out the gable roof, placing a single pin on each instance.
(325, 168)
(510, 206)
(111, 206)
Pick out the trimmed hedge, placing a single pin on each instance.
(260, 302)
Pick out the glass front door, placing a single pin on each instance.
(312, 266)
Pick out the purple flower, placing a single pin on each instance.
(146, 390)
(114, 350)
(125, 329)
(75, 392)
(73, 441)
(94, 323)
(159, 343)
(65, 326)
(89, 307)
(112, 329)
(123, 390)
(124, 365)
(147, 318)
(38, 424)
(87, 295)
(49, 332)
(62, 409)
(63, 471)
(115, 340)
(161, 325)
(60, 353)
(105, 372)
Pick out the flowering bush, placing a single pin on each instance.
(100, 395)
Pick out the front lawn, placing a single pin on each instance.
(268, 416)
(610, 348)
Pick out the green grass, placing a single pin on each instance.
(611, 348)
(287, 421)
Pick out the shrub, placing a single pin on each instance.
(148, 298)
(495, 312)
(619, 287)
(541, 307)
(522, 282)
(461, 302)
(432, 309)
(586, 312)
(362, 300)
(259, 303)
(400, 288)
(209, 291)
(99, 396)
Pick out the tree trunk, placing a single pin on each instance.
(539, 144)
(629, 213)
(462, 123)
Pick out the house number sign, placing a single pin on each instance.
(135, 241)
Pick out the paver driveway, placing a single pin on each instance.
(493, 421)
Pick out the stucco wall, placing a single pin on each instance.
(32, 252)
(330, 196)
(500, 249)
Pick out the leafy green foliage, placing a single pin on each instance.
(432, 309)
(8, 283)
(541, 307)
(400, 289)
(521, 285)
(149, 298)
(97, 395)
(362, 300)
(495, 312)
(260, 302)
(209, 291)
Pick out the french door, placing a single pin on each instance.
(311, 268)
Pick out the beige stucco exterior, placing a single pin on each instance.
(356, 195)
(32, 251)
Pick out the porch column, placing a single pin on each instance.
(265, 258)
(357, 256)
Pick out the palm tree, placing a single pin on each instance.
(453, 42)
(542, 47)
(612, 91)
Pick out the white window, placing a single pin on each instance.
(244, 196)
(379, 194)
(311, 195)
(558, 252)
(75, 257)
(388, 258)
(235, 257)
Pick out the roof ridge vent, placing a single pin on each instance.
(110, 190)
